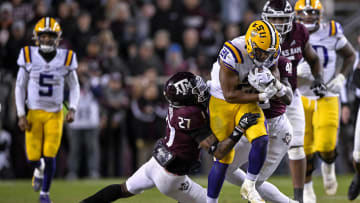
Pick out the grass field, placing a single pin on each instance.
(62, 191)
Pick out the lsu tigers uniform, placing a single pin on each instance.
(322, 114)
(225, 116)
(43, 84)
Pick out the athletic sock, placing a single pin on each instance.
(216, 179)
(49, 172)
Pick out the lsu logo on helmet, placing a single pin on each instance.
(50, 26)
(262, 43)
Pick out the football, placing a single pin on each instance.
(260, 78)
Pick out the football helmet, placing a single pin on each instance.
(262, 43)
(309, 13)
(186, 89)
(280, 13)
(47, 25)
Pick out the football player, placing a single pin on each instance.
(279, 127)
(354, 188)
(177, 154)
(230, 100)
(295, 46)
(40, 84)
(322, 110)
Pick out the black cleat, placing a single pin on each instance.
(354, 188)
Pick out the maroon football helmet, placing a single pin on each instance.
(280, 13)
(186, 89)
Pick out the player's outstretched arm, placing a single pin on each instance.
(73, 83)
(20, 93)
(220, 149)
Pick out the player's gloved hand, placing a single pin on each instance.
(318, 87)
(269, 92)
(23, 123)
(336, 84)
(356, 77)
(248, 120)
(281, 89)
(260, 80)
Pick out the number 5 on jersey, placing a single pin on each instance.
(44, 82)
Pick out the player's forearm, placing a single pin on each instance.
(74, 90)
(316, 69)
(20, 100)
(240, 97)
(349, 58)
(224, 148)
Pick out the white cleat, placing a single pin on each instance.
(329, 178)
(38, 176)
(309, 194)
(249, 192)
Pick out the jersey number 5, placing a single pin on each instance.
(42, 82)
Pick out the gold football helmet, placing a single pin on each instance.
(47, 25)
(308, 12)
(262, 43)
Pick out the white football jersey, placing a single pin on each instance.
(235, 57)
(45, 88)
(325, 41)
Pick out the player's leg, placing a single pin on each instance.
(309, 107)
(296, 154)
(326, 124)
(222, 115)
(52, 139)
(258, 137)
(141, 180)
(354, 188)
(33, 142)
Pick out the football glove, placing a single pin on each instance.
(318, 87)
(336, 84)
(248, 120)
(269, 92)
(281, 89)
(356, 78)
(260, 78)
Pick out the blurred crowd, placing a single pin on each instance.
(126, 49)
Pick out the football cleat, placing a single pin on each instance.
(329, 178)
(45, 199)
(354, 188)
(249, 192)
(309, 194)
(38, 176)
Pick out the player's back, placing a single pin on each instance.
(46, 79)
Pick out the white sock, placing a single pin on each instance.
(211, 200)
(44, 193)
(308, 185)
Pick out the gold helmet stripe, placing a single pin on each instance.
(272, 34)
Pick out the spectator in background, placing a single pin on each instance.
(116, 102)
(93, 54)
(162, 42)
(231, 31)
(232, 11)
(6, 16)
(142, 18)
(145, 59)
(193, 15)
(167, 17)
(83, 133)
(14, 44)
(67, 22)
(82, 34)
(23, 11)
(191, 43)
(174, 60)
(6, 170)
(112, 62)
(212, 37)
(120, 20)
(148, 111)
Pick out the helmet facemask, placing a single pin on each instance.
(310, 18)
(47, 41)
(201, 90)
(282, 22)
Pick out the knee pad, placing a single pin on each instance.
(310, 165)
(328, 159)
(356, 156)
(296, 153)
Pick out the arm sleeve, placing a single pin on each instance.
(20, 91)
(73, 83)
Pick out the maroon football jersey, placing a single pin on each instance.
(293, 48)
(277, 107)
(181, 124)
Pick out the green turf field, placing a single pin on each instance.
(62, 191)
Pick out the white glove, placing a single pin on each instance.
(260, 80)
(281, 89)
(269, 92)
(303, 70)
(336, 84)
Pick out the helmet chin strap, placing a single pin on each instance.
(46, 48)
